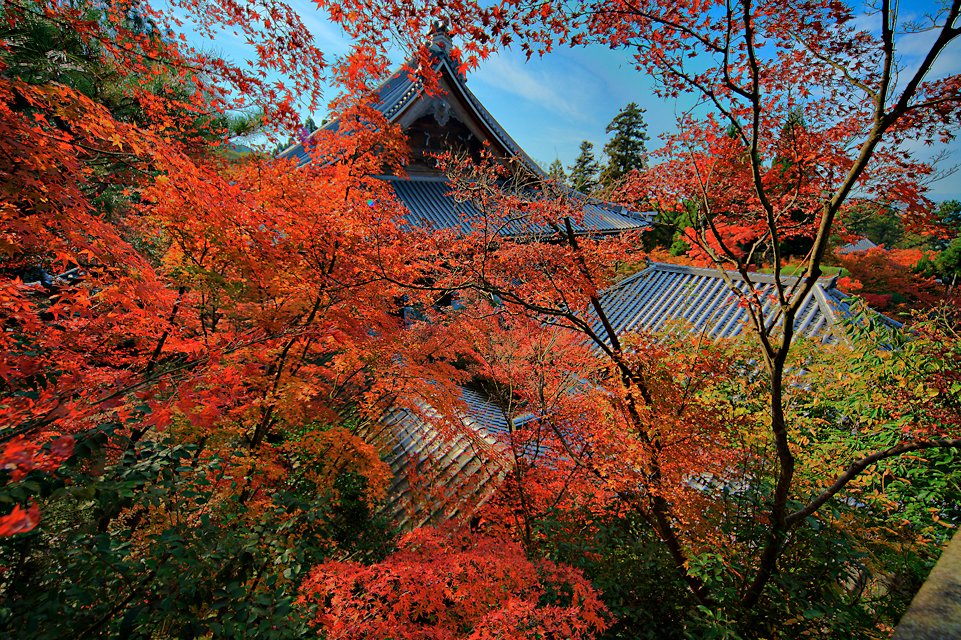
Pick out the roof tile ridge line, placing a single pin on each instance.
(443, 179)
(716, 272)
(412, 178)
(841, 296)
(630, 279)
(668, 298)
(412, 92)
(442, 58)
(835, 327)
(803, 321)
(605, 205)
(754, 276)
(416, 86)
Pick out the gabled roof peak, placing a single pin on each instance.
(439, 34)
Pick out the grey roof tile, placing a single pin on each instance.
(662, 293)
(461, 463)
(431, 205)
(860, 245)
(468, 461)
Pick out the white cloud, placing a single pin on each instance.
(543, 90)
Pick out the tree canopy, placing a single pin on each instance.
(585, 172)
(556, 171)
(212, 362)
(627, 148)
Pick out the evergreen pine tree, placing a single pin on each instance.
(556, 172)
(626, 150)
(585, 169)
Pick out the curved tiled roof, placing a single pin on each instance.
(461, 468)
(441, 470)
(662, 293)
(430, 205)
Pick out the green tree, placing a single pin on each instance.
(556, 172)
(584, 172)
(627, 149)
(948, 217)
(111, 562)
(880, 224)
(948, 263)
(667, 231)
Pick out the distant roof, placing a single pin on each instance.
(442, 472)
(863, 244)
(464, 466)
(662, 293)
(430, 205)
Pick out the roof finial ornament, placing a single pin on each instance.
(439, 35)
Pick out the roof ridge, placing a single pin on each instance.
(397, 105)
(405, 69)
(413, 178)
(827, 282)
(631, 278)
(488, 118)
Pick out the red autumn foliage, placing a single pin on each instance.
(888, 280)
(19, 457)
(218, 299)
(459, 585)
(20, 520)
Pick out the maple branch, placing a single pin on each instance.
(702, 184)
(260, 431)
(785, 473)
(843, 70)
(883, 120)
(728, 33)
(672, 24)
(151, 363)
(595, 301)
(855, 468)
(632, 380)
(759, 189)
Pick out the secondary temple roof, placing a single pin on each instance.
(702, 300)
(466, 463)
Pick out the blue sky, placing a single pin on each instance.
(550, 104)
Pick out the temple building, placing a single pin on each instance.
(440, 473)
(455, 120)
